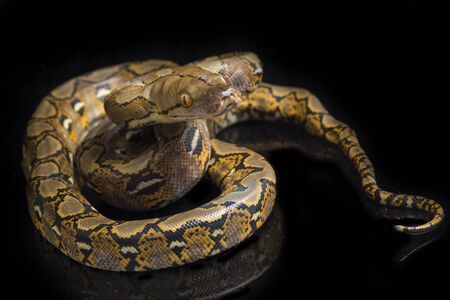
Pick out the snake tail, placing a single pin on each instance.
(349, 143)
(278, 103)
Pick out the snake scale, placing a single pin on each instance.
(141, 135)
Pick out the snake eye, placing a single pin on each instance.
(186, 100)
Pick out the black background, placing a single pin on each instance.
(383, 70)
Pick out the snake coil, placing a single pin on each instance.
(141, 135)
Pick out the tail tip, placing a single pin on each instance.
(420, 229)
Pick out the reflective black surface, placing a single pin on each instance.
(382, 77)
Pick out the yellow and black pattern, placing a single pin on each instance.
(70, 143)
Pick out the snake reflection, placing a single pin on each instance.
(214, 277)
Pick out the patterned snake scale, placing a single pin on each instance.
(141, 135)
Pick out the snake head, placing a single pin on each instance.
(198, 94)
(171, 95)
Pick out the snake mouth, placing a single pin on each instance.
(230, 98)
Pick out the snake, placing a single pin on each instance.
(224, 274)
(141, 134)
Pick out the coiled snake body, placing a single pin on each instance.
(155, 141)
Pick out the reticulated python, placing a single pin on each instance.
(156, 141)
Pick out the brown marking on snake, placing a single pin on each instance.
(69, 125)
